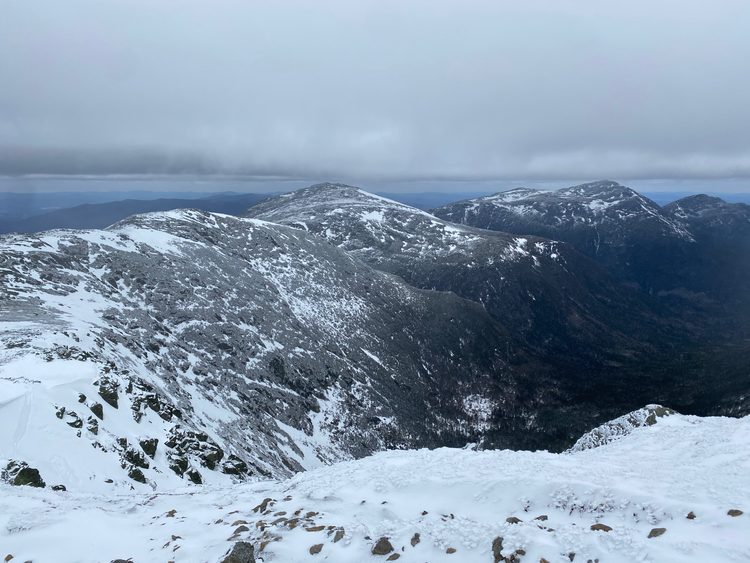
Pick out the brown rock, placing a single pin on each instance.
(543, 517)
(601, 528)
(513, 520)
(338, 536)
(450, 550)
(316, 548)
(543, 560)
(393, 557)
(8, 558)
(315, 528)
(241, 529)
(691, 515)
(497, 547)
(735, 512)
(382, 547)
(311, 514)
(415, 540)
(238, 522)
(656, 532)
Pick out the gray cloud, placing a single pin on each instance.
(380, 90)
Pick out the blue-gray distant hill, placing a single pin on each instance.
(101, 215)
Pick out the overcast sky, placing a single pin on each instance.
(377, 91)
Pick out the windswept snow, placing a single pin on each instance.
(457, 501)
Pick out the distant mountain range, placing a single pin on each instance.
(101, 215)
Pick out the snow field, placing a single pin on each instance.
(454, 499)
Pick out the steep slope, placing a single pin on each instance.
(191, 346)
(677, 491)
(713, 217)
(606, 221)
(609, 349)
(548, 295)
(705, 283)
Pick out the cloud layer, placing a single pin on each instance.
(381, 89)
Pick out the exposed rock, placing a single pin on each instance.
(497, 548)
(382, 547)
(735, 512)
(314, 528)
(415, 539)
(60, 488)
(242, 552)
(338, 536)
(149, 446)
(108, 391)
(30, 477)
(393, 557)
(543, 517)
(98, 410)
(601, 528)
(317, 548)
(241, 529)
(691, 515)
(513, 520)
(656, 532)
(137, 475)
(450, 550)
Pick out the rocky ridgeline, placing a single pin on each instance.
(198, 345)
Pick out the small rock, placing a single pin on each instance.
(8, 558)
(415, 540)
(238, 522)
(691, 515)
(262, 506)
(317, 548)
(513, 520)
(59, 488)
(174, 538)
(424, 513)
(241, 529)
(122, 561)
(339, 536)
(450, 550)
(735, 512)
(656, 532)
(543, 560)
(98, 410)
(311, 514)
(171, 513)
(543, 517)
(313, 528)
(393, 557)
(601, 528)
(30, 477)
(382, 547)
(242, 552)
(497, 547)
(571, 556)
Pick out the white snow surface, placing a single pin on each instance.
(458, 500)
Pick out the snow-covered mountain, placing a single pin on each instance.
(714, 217)
(603, 220)
(544, 292)
(186, 346)
(647, 487)
(603, 346)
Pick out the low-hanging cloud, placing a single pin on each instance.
(407, 90)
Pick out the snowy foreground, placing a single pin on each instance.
(456, 500)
